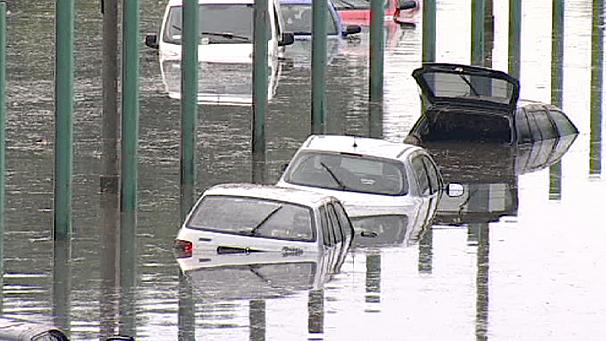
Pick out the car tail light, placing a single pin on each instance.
(183, 248)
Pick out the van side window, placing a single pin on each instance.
(336, 227)
(346, 227)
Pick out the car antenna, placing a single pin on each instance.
(355, 145)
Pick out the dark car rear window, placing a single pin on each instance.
(444, 85)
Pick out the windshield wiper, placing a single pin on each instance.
(332, 175)
(228, 35)
(475, 93)
(262, 222)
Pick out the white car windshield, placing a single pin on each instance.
(219, 24)
(348, 172)
(253, 217)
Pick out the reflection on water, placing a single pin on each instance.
(436, 287)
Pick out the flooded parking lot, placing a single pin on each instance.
(522, 261)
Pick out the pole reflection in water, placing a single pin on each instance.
(315, 308)
(128, 270)
(597, 35)
(482, 281)
(187, 316)
(257, 320)
(426, 252)
(373, 281)
(61, 283)
(259, 172)
(109, 248)
(557, 70)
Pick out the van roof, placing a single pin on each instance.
(271, 192)
(358, 145)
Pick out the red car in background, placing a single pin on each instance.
(357, 12)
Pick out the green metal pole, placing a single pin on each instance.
(109, 180)
(64, 106)
(189, 103)
(477, 32)
(377, 50)
(260, 79)
(2, 137)
(318, 67)
(429, 31)
(557, 53)
(130, 106)
(595, 123)
(515, 24)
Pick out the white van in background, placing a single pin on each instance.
(225, 51)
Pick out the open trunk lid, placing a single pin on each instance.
(454, 85)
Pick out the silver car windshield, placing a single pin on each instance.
(348, 172)
(297, 19)
(219, 23)
(253, 217)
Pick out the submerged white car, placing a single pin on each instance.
(248, 218)
(369, 176)
(225, 51)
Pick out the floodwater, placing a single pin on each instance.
(534, 272)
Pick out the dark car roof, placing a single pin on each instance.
(457, 84)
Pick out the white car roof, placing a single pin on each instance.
(358, 145)
(272, 192)
(172, 3)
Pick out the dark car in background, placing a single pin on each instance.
(477, 104)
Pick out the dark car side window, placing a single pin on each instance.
(534, 127)
(548, 130)
(523, 129)
(421, 175)
(563, 123)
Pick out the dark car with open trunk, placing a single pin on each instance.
(477, 104)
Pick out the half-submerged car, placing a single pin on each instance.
(358, 11)
(477, 104)
(247, 218)
(298, 20)
(369, 176)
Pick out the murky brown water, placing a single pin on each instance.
(534, 274)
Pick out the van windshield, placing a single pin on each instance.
(219, 24)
